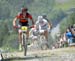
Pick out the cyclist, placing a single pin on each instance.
(43, 24)
(23, 17)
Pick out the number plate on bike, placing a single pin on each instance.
(24, 28)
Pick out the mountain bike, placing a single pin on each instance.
(24, 37)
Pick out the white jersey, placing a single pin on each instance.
(42, 23)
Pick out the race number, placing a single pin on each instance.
(24, 28)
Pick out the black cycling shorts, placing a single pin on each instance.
(24, 24)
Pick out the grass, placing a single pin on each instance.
(65, 6)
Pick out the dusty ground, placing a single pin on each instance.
(63, 54)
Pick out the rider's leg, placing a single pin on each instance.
(20, 36)
(20, 39)
(27, 36)
(46, 36)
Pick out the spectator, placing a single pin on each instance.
(61, 41)
(65, 41)
(73, 33)
(69, 35)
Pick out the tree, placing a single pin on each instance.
(4, 9)
(68, 21)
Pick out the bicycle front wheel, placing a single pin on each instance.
(24, 44)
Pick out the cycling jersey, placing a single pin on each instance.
(43, 24)
(23, 20)
(69, 35)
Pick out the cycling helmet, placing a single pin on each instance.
(24, 9)
(40, 18)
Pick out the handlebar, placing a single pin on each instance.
(20, 26)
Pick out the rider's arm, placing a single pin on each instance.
(32, 21)
(37, 22)
(49, 23)
(31, 18)
(14, 21)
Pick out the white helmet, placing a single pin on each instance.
(40, 18)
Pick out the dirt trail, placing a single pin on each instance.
(63, 54)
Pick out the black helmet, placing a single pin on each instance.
(24, 9)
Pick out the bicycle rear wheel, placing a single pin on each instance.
(24, 44)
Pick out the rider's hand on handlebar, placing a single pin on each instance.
(15, 27)
(31, 26)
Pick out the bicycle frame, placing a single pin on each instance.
(24, 39)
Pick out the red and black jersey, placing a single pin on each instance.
(24, 19)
